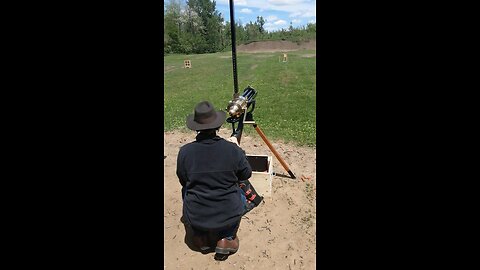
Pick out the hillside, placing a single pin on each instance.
(276, 46)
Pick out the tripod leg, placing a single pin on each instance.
(260, 132)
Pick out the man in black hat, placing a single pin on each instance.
(209, 170)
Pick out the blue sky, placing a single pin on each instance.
(277, 13)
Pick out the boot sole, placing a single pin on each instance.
(220, 257)
(225, 251)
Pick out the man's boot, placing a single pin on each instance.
(226, 246)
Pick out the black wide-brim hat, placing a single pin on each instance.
(205, 117)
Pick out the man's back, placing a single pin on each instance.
(209, 170)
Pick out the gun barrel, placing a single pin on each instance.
(249, 94)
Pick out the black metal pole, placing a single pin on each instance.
(234, 51)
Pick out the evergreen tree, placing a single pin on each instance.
(212, 22)
(172, 26)
(260, 23)
(192, 40)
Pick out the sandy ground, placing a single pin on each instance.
(279, 234)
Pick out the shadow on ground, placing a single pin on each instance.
(188, 240)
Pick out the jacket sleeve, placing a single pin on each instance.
(244, 171)
(181, 173)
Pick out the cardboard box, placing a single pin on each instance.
(262, 172)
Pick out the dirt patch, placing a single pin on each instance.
(279, 234)
(277, 46)
(309, 55)
(253, 67)
(226, 56)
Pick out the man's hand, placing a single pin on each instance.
(233, 140)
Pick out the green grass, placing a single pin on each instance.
(285, 104)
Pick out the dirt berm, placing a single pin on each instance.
(276, 46)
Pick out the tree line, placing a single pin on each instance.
(196, 26)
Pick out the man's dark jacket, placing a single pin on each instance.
(209, 170)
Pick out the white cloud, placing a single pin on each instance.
(285, 2)
(298, 11)
(304, 8)
(275, 26)
(295, 14)
(271, 18)
(246, 10)
(310, 13)
(235, 2)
